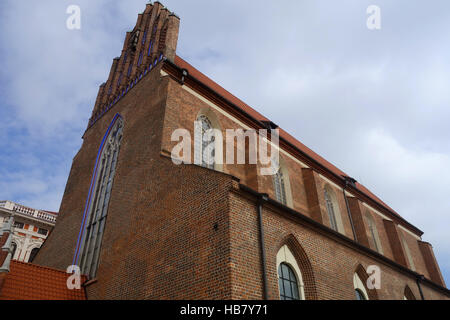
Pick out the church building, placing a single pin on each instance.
(141, 226)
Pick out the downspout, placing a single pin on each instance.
(348, 211)
(420, 278)
(261, 199)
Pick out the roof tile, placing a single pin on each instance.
(27, 281)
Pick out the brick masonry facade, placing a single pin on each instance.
(188, 232)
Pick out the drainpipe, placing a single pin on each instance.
(418, 280)
(347, 181)
(261, 199)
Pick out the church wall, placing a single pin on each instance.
(333, 262)
(160, 241)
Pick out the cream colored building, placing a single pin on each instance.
(31, 228)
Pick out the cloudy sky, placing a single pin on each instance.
(375, 103)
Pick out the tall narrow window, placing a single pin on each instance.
(206, 151)
(330, 210)
(373, 232)
(280, 187)
(96, 218)
(408, 254)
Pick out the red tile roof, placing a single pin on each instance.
(283, 134)
(27, 281)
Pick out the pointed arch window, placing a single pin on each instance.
(96, 217)
(408, 254)
(330, 209)
(408, 295)
(206, 150)
(279, 186)
(287, 282)
(373, 232)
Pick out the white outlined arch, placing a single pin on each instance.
(218, 142)
(285, 255)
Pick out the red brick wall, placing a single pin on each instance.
(159, 241)
(333, 263)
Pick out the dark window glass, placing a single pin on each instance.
(33, 254)
(287, 282)
(359, 295)
(129, 69)
(42, 231)
(18, 225)
(96, 218)
(14, 248)
(330, 209)
(280, 189)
